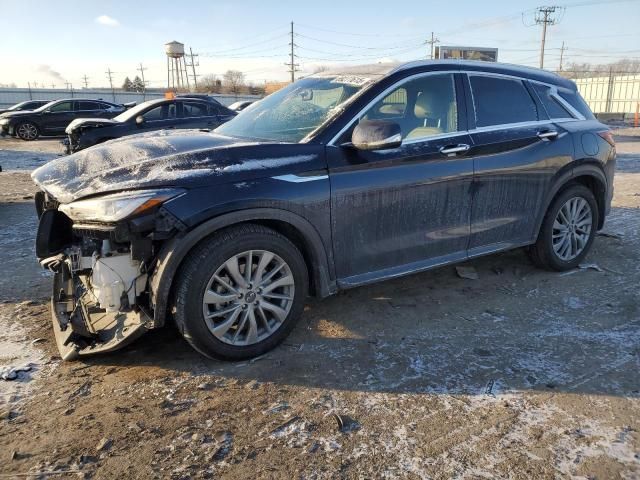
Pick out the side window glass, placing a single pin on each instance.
(576, 101)
(62, 107)
(193, 109)
(153, 114)
(88, 106)
(423, 107)
(170, 111)
(554, 109)
(499, 101)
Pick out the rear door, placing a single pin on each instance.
(517, 150)
(89, 109)
(197, 115)
(58, 116)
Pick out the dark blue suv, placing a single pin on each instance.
(338, 180)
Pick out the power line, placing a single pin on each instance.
(109, 74)
(85, 80)
(432, 44)
(561, 56)
(545, 16)
(292, 62)
(193, 65)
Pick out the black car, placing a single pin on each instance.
(26, 105)
(338, 180)
(53, 117)
(146, 117)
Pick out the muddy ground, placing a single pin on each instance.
(520, 374)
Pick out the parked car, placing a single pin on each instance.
(146, 117)
(27, 105)
(200, 96)
(53, 117)
(241, 105)
(338, 180)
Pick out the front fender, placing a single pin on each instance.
(174, 251)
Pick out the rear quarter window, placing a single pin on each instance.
(576, 101)
(499, 101)
(551, 105)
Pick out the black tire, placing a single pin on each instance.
(203, 261)
(24, 137)
(542, 252)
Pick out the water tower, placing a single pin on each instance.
(176, 66)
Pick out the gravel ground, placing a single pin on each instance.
(520, 374)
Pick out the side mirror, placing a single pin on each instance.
(376, 135)
(139, 120)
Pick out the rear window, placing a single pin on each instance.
(499, 101)
(575, 100)
(551, 105)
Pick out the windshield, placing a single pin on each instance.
(290, 114)
(17, 106)
(135, 111)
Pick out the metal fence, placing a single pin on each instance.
(11, 96)
(619, 94)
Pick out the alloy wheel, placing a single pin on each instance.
(248, 298)
(572, 228)
(27, 131)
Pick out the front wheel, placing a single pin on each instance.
(567, 231)
(27, 131)
(240, 293)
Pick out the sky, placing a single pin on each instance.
(57, 42)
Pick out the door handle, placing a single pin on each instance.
(453, 149)
(547, 135)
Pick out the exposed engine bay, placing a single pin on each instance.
(100, 298)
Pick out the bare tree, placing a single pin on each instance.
(233, 81)
(209, 84)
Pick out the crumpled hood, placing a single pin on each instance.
(89, 122)
(183, 158)
(19, 113)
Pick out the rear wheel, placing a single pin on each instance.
(241, 293)
(568, 230)
(27, 131)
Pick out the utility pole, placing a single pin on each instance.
(562, 49)
(544, 16)
(432, 43)
(193, 66)
(292, 64)
(110, 77)
(144, 84)
(53, 85)
(85, 80)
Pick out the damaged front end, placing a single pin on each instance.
(101, 251)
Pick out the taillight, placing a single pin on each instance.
(607, 135)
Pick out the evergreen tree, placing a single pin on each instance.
(127, 86)
(138, 85)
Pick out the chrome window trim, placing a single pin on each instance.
(386, 92)
(488, 128)
(566, 105)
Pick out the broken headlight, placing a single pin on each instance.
(117, 206)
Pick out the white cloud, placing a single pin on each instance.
(107, 20)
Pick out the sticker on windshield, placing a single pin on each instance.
(354, 80)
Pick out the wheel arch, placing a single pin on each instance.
(587, 172)
(298, 230)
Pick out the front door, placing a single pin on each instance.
(405, 209)
(58, 117)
